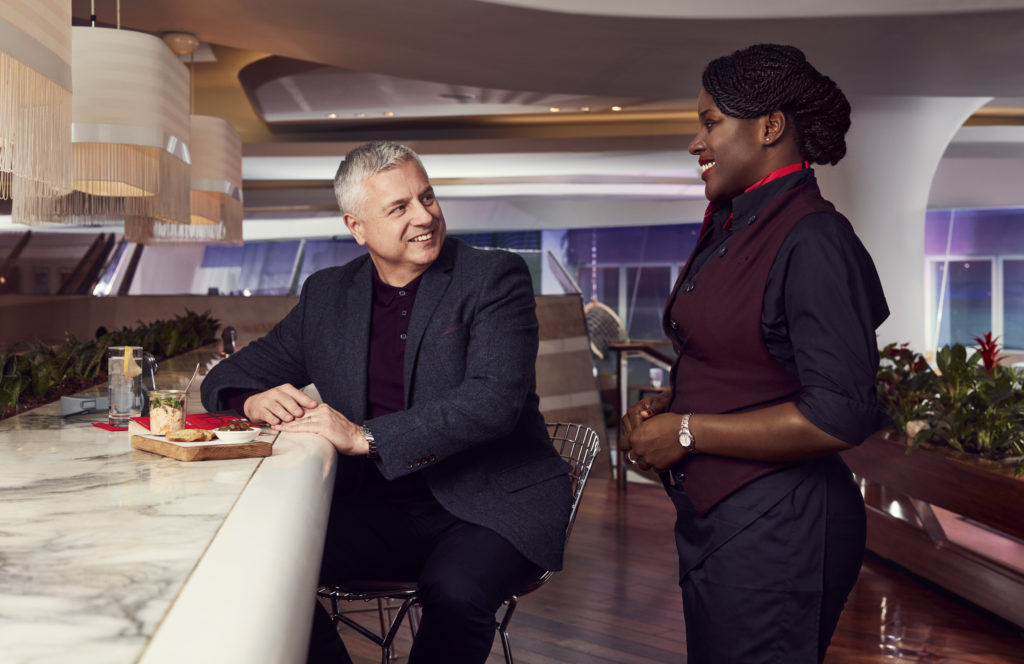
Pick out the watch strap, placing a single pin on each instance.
(372, 454)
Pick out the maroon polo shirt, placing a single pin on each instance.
(385, 382)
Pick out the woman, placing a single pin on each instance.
(773, 321)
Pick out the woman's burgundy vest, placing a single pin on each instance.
(723, 365)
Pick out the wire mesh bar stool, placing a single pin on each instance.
(577, 444)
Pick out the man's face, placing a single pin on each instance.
(730, 151)
(400, 223)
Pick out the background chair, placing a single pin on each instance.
(577, 444)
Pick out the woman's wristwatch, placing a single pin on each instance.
(686, 436)
(372, 454)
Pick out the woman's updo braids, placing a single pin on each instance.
(771, 77)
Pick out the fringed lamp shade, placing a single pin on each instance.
(35, 98)
(130, 131)
(216, 150)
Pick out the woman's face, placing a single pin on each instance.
(731, 151)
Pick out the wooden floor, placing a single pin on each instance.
(617, 601)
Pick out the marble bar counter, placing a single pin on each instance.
(109, 554)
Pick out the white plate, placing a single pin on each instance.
(238, 436)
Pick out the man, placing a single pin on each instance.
(423, 352)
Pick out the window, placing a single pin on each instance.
(975, 276)
(1013, 304)
(647, 290)
(963, 299)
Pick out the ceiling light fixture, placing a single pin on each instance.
(332, 116)
(616, 108)
(129, 132)
(389, 114)
(554, 109)
(35, 105)
(584, 108)
(215, 179)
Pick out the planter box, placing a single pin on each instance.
(950, 517)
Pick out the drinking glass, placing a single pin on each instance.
(124, 384)
(657, 375)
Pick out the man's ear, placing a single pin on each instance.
(773, 127)
(355, 227)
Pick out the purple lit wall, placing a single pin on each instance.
(998, 231)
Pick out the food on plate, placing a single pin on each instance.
(238, 425)
(190, 436)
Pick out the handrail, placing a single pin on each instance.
(623, 351)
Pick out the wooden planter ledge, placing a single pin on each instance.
(950, 517)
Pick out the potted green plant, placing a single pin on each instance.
(44, 373)
(969, 402)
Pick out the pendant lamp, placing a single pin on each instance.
(35, 98)
(216, 181)
(130, 131)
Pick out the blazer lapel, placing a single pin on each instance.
(353, 317)
(431, 291)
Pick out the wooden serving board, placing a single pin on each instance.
(262, 446)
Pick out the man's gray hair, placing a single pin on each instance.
(363, 162)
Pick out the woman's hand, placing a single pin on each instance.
(279, 404)
(346, 436)
(642, 410)
(654, 444)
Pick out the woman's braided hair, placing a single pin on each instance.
(770, 77)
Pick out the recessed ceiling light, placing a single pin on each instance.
(584, 108)
(616, 108)
(554, 109)
(389, 114)
(332, 115)
(360, 115)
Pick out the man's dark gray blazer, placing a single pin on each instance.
(471, 425)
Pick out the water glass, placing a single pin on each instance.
(124, 384)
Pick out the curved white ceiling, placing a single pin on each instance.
(744, 9)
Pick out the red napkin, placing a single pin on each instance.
(107, 427)
(196, 420)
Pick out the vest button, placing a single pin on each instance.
(721, 251)
(688, 286)
(752, 219)
(679, 477)
(402, 336)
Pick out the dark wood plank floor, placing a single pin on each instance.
(617, 601)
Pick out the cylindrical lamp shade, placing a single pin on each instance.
(130, 130)
(35, 98)
(216, 151)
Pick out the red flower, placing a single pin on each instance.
(989, 351)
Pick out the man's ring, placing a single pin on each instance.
(629, 457)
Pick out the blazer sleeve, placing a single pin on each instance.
(489, 361)
(267, 362)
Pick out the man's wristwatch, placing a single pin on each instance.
(685, 436)
(372, 455)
